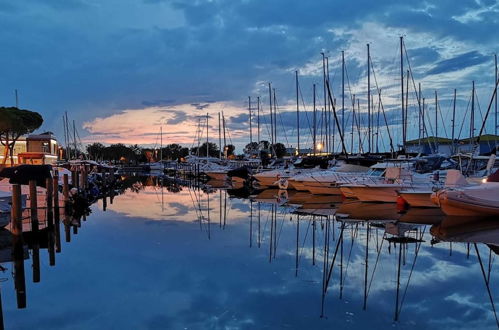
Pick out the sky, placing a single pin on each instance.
(122, 69)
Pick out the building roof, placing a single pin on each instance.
(430, 139)
(483, 138)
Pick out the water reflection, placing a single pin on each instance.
(276, 259)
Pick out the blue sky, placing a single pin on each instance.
(168, 62)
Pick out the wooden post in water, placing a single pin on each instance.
(57, 214)
(50, 220)
(17, 249)
(34, 228)
(16, 211)
(33, 203)
(65, 189)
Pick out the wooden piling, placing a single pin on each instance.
(65, 189)
(16, 210)
(17, 249)
(33, 203)
(50, 220)
(57, 214)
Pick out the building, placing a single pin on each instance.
(34, 149)
(430, 145)
(488, 144)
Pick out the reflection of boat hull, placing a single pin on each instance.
(368, 211)
(463, 229)
(217, 183)
(423, 216)
(219, 176)
(316, 211)
(418, 198)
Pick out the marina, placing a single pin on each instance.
(225, 164)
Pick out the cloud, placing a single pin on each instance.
(199, 52)
(459, 62)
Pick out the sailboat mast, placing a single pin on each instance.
(453, 119)
(342, 91)
(472, 121)
(225, 140)
(324, 85)
(368, 98)
(419, 116)
(258, 118)
(495, 97)
(297, 116)
(161, 143)
(353, 116)
(207, 138)
(275, 116)
(329, 133)
(402, 90)
(219, 136)
(314, 128)
(436, 122)
(250, 127)
(271, 117)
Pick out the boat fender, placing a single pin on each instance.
(282, 184)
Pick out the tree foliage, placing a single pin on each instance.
(279, 150)
(14, 123)
(213, 150)
(174, 151)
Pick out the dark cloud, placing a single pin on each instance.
(70, 55)
(157, 102)
(460, 62)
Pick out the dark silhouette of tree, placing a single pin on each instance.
(279, 150)
(230, 150)
(212, 150)
(95, 150)
(251, 148)
(14, 123)
(175, 151)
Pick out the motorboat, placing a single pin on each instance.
(476, 200)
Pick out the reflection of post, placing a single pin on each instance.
(50, 221)
(313, 239)
(1, 312)
(104, 203)
(297, 243)
(487, 284)
(271, 230)
(398, 284)
(34, 230)
(33, 204)
(17, 248)
(259, 220)
(57, 215)
(220, 209)
(251, 224)
(366, 268)
(19, 276)
(209, 227)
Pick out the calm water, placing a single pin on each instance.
(157, 259)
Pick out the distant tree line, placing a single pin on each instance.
(136, 154)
